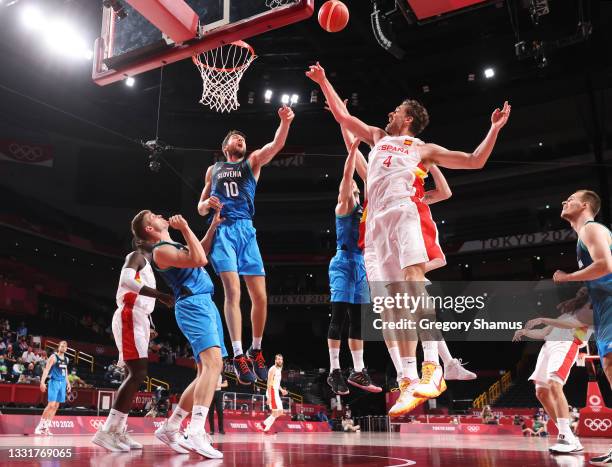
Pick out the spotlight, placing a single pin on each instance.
(471, 77)
(251, 98)
(268, 96)
(294, 99)
(489, 73)
(63, 39)
(285, 99)
(32, 17)
(355, 99)
(314, 96)
(425, 89)
(129, 81)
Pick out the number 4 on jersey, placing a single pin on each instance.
(387, 161)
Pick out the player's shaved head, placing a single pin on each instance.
(592, 199)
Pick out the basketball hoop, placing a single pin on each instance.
(221, 70)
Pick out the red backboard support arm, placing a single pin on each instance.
(174, 18)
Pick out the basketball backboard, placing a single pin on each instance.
(130, 44)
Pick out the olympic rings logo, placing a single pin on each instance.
(598, 424)
(594, 400)
(473, 428)
(25, 152)
(96, 423)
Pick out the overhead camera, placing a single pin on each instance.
(155, 148)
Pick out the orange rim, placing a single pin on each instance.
(242, 44)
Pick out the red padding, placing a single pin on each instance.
(428, 8)
(174, 18)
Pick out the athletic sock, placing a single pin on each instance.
(113, 421)
(268, 422)
(334, 359)
(256, 345)
(564, 428)
(397, 360)
(237, 347)
(409, 368)
(430, 351)
(177, 417)
(357, 360)
(198, 419)
(444, 352)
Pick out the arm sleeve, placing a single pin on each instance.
(128, 280)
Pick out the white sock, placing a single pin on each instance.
(123, 423)
(357, 359)
(47, 423)
(237, 346)
(430, 351)
(113, 421)
(396, 359)
(409, 368)
(564, 428)
(334, 359)
(444, 352)
(198, 419)
(42, 422)
(256, 343)
(268, 422)
(177, 417)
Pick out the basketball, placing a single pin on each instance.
(333, 16)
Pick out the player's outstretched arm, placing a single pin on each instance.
(442, 190)
(539, 334)
(262, 156)
(361, 164)
(167, 256)
(574, 322)
(345, 196)
(464, 160)
(366, 133)
(207, 241)
(134, 263)
(208, 202)
(596, 238)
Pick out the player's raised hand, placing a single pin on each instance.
(286, 114)
(177, 222)
(214, 203)
(500, 117)
(316, 73)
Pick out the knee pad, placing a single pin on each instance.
(355, 321)
(339, 310)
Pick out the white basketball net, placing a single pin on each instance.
(221, 70)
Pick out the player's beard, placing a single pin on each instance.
(278, 366)
(237, 153)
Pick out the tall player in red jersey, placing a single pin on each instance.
(392, 224)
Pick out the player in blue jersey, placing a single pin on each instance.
(182, 267)
(57, 371)
(235, 252)
(594, 252)
(347, 278)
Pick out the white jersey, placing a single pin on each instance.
(559, 334)
(392, 165)
(138, 302)
(276, 374)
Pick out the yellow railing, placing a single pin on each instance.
(494, 392)
(75, 354)
(150, 382)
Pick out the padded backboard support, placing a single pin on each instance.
(130, 43)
